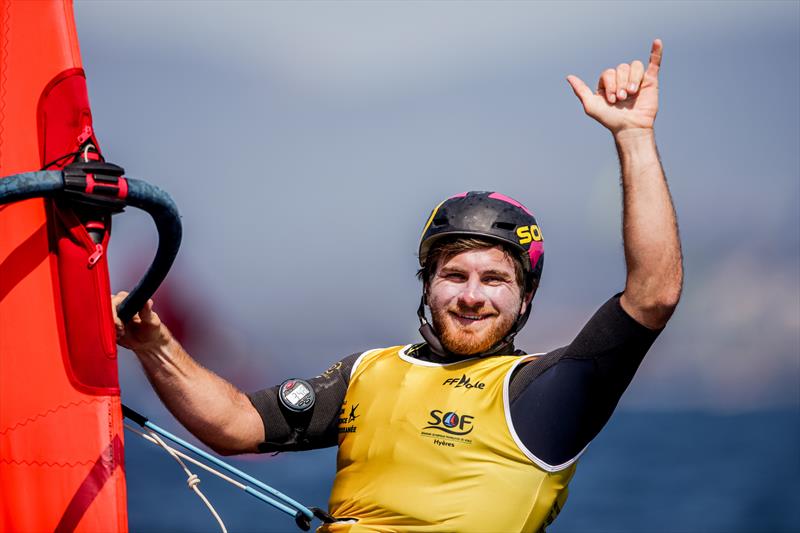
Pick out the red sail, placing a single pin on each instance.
(61, 441)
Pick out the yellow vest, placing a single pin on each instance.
(431, 447)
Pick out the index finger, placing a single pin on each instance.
(656, 52)
(116, 299)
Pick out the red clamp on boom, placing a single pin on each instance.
(106, 185)
(97, 183)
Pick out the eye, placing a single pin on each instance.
(494, 279)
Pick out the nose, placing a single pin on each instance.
(472, 294)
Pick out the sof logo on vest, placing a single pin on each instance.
(448, 428)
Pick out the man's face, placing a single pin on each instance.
(474, 300)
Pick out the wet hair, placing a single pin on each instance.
(448, 248)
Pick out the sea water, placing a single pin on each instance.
(646, 472)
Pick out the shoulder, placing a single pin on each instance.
(359, 360)
(531, 367)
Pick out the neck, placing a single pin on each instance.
(425, 352)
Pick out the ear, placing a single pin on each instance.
(526, 301)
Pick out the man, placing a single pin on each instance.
(463, 432)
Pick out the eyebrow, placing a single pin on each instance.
(498, 273)
(450, 269)
(491, 272)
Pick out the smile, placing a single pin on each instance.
(468, 319)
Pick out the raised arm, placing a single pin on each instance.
(626, 102)
(214, 411)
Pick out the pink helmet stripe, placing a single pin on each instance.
(459, 195)
(504, 198)
(535, 252)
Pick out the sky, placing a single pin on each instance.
(306, 143)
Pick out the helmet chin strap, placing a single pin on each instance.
(435, 344)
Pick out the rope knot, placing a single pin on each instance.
(193, 481)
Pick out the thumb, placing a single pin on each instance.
(147, 311)
(656, 51)
(581, 90)
(149, 316)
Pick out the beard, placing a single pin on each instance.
(460, 340)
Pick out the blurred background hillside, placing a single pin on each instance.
(305, 143)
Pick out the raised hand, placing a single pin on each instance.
(626, 97)
(143, 331)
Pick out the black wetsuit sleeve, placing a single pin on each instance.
(562, 400)
(318, 428)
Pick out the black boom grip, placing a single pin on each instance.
(160, 206)
(30, 185)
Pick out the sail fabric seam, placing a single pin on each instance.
(69, 464)
(45, 414)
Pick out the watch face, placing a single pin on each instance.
(296, 395)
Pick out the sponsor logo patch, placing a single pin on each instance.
(448, 429)
(527, 234)
(464, 382)
(332, 370)
(347, 420)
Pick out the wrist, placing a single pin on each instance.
(159, 343)
(630, 136)
(635, 142)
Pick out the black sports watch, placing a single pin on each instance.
(296, 395)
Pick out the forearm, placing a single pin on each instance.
(650, 231)
(212, 409)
